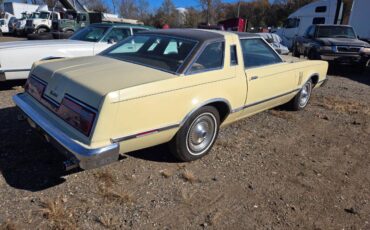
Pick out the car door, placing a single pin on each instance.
(115, 35)
(269, 78)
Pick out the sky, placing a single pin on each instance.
(154, 4)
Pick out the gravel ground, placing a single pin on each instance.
(275, 170)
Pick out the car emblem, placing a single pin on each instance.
(53, 93)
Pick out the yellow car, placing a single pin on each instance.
(175, 86)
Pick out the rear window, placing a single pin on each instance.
(160, 52)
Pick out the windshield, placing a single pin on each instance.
(165, 53)
(35, 15)
(335, 32)
(90, 34)
(44, 15)
(2, 22)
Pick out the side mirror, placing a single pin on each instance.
(112, 41)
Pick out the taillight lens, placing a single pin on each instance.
(76, 115)
(35, 88)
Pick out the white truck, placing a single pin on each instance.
(41, 21)
(17, 12)
(326, 12)
(7, 19)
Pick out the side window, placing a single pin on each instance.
(137, 30)
(212, 57)
(319, 20)
(310, 32)
(117, 34)
(257, 53)
(233, 55)
(320, 9)
(292, 23)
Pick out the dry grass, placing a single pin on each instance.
(55, 212)
(342, 106)
(166, 173)
(8, 225)
(52, 209)
(106, 178)
(108, 222)
(116, 195)
(189, 176)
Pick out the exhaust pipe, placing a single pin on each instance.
(70, 164)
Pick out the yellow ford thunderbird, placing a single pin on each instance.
(169, 86)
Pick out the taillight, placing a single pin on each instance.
(35, 88)
(78, 116)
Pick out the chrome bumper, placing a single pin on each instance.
(87, 158)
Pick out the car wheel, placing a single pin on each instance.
(43, 36)
(197, 136)
(300, 101)
(41, 30)
(296, 52)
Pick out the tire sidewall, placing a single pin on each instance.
(180, 146)
(299, 105)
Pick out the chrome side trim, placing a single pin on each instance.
(14, 70)
(203, 104)
(263, 101)
(143, 134)
(81, 152)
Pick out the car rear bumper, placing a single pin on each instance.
(85, 157)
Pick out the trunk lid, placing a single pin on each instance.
(89, 79)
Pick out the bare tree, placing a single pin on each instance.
(209, 8)
(142, 9)
(115, 4)
(128, 9)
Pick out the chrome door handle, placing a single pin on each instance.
(254, 78)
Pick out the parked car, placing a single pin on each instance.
(276, 42)
(177, 86)
(333, 43)
(16, 58)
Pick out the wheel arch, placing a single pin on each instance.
(222, 105)
(43, 26)
(315, 78)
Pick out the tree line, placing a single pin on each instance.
(259, 13)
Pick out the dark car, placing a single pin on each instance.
(333, 43)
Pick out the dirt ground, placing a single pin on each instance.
(275, 170)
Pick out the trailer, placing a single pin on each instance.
(17, 9)
(360, 18)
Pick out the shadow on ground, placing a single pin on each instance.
(26, 161)
(10, 84)
(160, 153)
(350, 73)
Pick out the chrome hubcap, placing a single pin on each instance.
(201, 134)
(305, 94)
